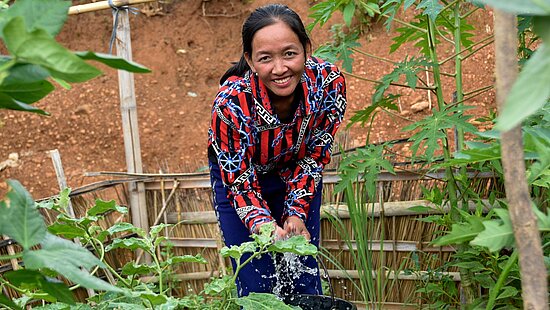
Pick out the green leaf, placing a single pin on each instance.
(67, 259)
(520, 7)
(432, 8)
(69, 231)
(101, 207)
(542, 27)
(38, 48)
(49, 15)
(460, 233)
(125, 227)
(507, 292)
(530, 92)
(497, 234)
(7, 102)
(131, 268)
(155, 230)
(26, 83)
(129, 243)
(340, 48)
(321, 13)
(409, 68)
(432, 129)
(186, 259)
(154, 299)
(259, 301)
(58, 290)
(349, 11)
(296, 244)
(113, 61)
(19, 218)
(4, 300)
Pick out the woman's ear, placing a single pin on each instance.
(249, 62)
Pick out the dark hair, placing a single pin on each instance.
(260, 18)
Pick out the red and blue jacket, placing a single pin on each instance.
(246, 138)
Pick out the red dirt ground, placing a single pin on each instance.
(188, 45)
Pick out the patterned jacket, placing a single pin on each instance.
(246, 138)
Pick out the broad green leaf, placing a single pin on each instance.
(349, 11)
(155, 230)
(49, 15)
(125, 227)
(520, 7)
(4, 300)
(186, 259)
(58, 290)
(409, 68)
(507, 292)
(113, 61)
(422, 209)
(296, 244)
(219, 285)
(19, 218)
(237, 251)
(129, 243)
(7, 102)
(131, 268)
(259, 301)
(25, 74)
(154, 299)
(27, 93)
(38, 48)
(101, 207)
(542, 27)
(67, 259)
(432, 8)
(530, 92)
(68, 231)
(497, 234)
(460, 233)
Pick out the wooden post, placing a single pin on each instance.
(62, 181)
(528, 242)
(128, 109)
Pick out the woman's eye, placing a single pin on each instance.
(263, 59)
(290, 53)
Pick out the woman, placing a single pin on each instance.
(273, 125)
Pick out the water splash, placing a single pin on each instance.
(289, 267)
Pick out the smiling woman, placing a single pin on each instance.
(271, 134)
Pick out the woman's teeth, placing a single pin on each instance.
(282, 81)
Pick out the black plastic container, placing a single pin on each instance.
(318, 302)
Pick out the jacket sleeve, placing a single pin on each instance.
(303, 177)
(231, 137)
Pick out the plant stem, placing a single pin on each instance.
(14, 256)
(101, 250)
(373, 56)
(379, 82)
(458, 71)
(404, 23)
(500, 282)
(467, 49)
(469, 12)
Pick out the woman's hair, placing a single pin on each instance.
(260, 18)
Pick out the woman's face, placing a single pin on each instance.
(278, 58)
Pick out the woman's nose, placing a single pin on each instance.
(279, 67)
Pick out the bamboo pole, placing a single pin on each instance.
(102, 5)
(130, 128)
(62, 181)
(528, 242)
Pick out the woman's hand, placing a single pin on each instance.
(295, 226)
(279, 233)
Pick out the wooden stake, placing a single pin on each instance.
(528, 242)
(128, 109)
(102, 5)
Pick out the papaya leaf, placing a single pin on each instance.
(113, 61)
(432, 129)
(497, 234)
(321, 13)
(349, 11)
(49, 15)
(461, 232)
(432, 8)
(259, 301)
(530, 92)
(389, 9)
(67, 259)
(19, 218)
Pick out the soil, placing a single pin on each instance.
(188, 45)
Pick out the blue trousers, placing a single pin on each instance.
(259, 275)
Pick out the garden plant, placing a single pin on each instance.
(486, 254)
